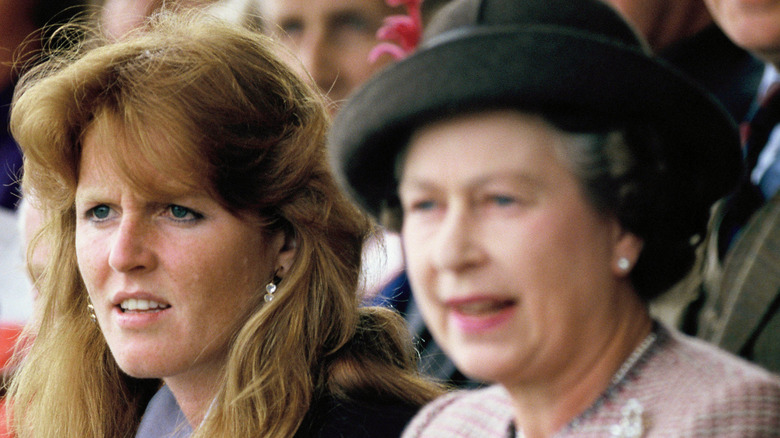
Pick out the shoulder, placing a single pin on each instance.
(331, 417)
(482, 413)
(702, 363)
(690, 385)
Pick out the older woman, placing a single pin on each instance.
(549, 178)
(202, 254)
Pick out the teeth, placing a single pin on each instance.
(133, 304)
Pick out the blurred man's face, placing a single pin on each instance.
(751, 24)
(119, 17)
(332, 38)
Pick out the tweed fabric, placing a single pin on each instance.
(685, 387)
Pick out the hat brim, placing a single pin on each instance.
(534, 68)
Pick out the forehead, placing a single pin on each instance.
(276, 10)
(147, 159)
(472, 147)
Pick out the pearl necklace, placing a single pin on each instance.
(631, 424)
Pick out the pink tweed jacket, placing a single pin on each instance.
(680, 387)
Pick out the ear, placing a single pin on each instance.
(628, 246)
(284, 247)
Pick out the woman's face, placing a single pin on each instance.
(171, 276)
(514, 271)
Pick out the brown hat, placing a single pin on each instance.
(553, 56)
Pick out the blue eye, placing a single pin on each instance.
(179, 212)
(100, 212)
(424, 205)
(503, 200)
(183, 214)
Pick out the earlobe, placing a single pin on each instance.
(628, 247)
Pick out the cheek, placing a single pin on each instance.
(417, 261)
(88, 255)
(413, 246)
(354, 61)
(241, 270)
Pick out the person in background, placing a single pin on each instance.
(204, 264)
(23, 25)
(117, 18)
(331, 38)
(683, 33)
(15, 302)
(33, 254)
(540, 216)
(732, 297)
(242, 12)
(18, 25)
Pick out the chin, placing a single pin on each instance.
(485, 368)
(139, 367)
(140, 371)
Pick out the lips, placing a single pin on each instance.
(480, 315)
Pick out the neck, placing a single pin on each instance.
(543, 408)
(194, 399)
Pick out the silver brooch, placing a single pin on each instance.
(631, 424)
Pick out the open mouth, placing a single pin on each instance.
(483, 307)
(133, 305)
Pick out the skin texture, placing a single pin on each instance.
(752, 24)
(180, 248)
(331, 38)
(119, 17)
(516, 274)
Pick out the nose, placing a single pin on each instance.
(456, 245)
(316, 54)
(131, 248)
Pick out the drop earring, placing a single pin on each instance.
(270, 288)
(91, 310)
(623, 264)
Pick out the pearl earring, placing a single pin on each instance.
(91, 310)
(270, 288)
(623, 264)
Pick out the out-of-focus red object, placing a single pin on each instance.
(9, 334)
(401, 33)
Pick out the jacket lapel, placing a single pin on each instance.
(751, 278)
